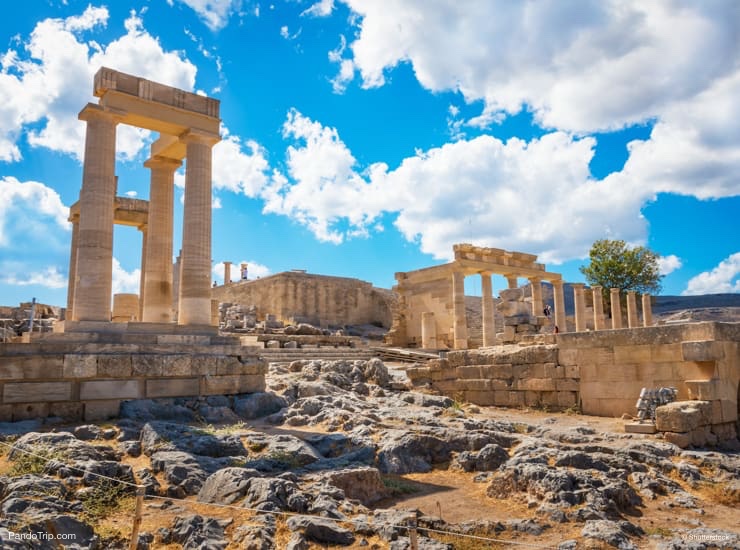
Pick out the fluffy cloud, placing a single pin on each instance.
(239, 166)
(48, 277)
(322, 8)
(29, 206)
(125, 282)
(47, 82)
(535, 195)
(725, 278)
(669, 264)
(214, 13)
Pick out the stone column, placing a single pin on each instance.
(428, 330)
(142, 275)
(616, 308)
(158, 286)
(580, 306)
(632, 320)
(598, 308)
(559, 302)
(195, 268)
(92, 295)
(536, 284)
(227, 273)
(512, 281)
(487, 310)
(460, 326)
(72, 280)
(647, 311)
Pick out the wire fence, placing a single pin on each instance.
(411, 528)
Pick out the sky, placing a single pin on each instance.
(363, 138)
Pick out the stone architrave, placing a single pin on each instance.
(559, 302)
(158, 259)
(598, 308)
(632, 319)
(428, 330)
(616, 308)
(460, 325)
(647, 311)
(487, 310)
(195, 269)
(580, 306)
(536, 285)
(227, 273)
(92, 293)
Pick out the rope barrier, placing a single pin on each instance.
(140, 496)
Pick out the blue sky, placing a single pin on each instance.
(362, 138)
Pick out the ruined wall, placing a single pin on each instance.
(90, 380)
(317, 299)
(434, 297)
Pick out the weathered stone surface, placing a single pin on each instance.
(258, 404)
(226, 486)
(321, 530)
(683, 416)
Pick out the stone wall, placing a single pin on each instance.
(317, 299)
(77, 380)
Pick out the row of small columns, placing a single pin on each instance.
(92, 240)
(616, 308)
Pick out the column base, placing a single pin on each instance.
(194, 311)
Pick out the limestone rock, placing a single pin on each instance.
(321, 530)
(683, 416)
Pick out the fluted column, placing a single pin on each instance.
(158, 285)
(616, 308)
(460, 325)
(559, 300)
(92, 295)
(72, 280)
(227, 273)
(536, 284)
(598, 308)
(647, 311)
(195, 269)
(142, 275)
(487, 310)
(580, 306)
(632, 320)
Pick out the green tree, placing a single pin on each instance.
(614, 265)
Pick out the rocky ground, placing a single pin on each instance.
(337, 454)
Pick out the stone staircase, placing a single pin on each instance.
(288, 355)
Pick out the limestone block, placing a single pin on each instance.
(536, 370)
(230, 365)
(184, 339)
(567, 384)
(28, 367)
(483, 398)
(516, 399)
(632, 354)
(499, 385)
(520, 371)
(666, 353)
(552, 370)
(73, 410)
(610, 406)
(34, 392)
(114, 366)
(700, 436)
(172, 387)
(682, 440)
(468, 372)
(572, 371)
(147, 365)
(6, 413)
(101, 410)
(568, 356)
(601, 356)
(639, 428)
(725, 432)
(537, 384)
(729, 410)
(703, 390)
(508, 334)
(708, 350)
(567, 399)
(474, 385)
(504, 371)
(549, 399)
(501, 398)
(683, 416)
(532, 398)
(28, 411)
(110, 389)
(80, 366)
(232, 384)
(176, 365)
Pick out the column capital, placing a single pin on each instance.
(596, 287)
(162, 162)
(194, 135)
(92, 111)
(557, 283)
(577, 285)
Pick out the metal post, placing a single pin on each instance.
(137, 517)
(413, 538)
(33, 312)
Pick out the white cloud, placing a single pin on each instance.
(322, 8)
(49, 84)
(255, 270)
(131, 194)
(536, 196)
(48, 277)
(28, 206)
(214, 13)
(669, 264)
(125, 282)
(239, 166)
(725, 278)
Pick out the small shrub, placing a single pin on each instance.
(285, 459)
(25, 463)
(106, 497)
(399, 486)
